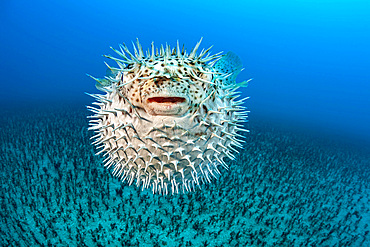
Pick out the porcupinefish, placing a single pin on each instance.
(168, 118)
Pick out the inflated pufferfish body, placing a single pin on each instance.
(168, 118)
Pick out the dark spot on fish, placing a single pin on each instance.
(205, 108)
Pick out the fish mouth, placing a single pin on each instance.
(167, 105)
(167, 100)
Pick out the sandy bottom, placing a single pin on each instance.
(284, 189)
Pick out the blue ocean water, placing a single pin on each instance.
(309, 59)
(309, 123)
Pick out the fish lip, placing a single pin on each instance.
(167, 105)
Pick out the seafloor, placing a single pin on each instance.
(285, 189)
